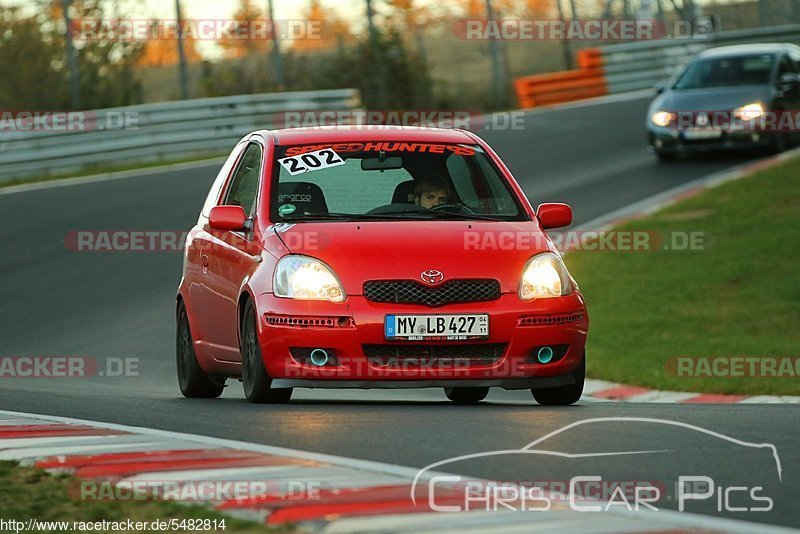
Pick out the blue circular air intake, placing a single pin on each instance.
(319, 357)
(544, 355)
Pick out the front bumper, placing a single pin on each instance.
(671, 141)
(348, 331)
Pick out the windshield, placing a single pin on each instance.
(725, 71)
(390, 180)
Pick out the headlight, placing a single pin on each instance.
(545, 275)
(749, 112)
(301, 277)
(661, 118)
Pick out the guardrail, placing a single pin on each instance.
(155, 132)
(643, 64)
(627, 67)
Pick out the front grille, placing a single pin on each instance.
(446, 355)
(413, 292)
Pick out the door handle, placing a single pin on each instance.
(204, 263)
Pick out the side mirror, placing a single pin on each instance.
(661, 87)
(231, 218)
(554, 215)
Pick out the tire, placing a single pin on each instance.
(666, 156)
(779, 143)
(563, 395)
(256, 382)
(193, 381)
(466, 395)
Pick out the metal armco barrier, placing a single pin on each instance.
(627, 67)
(642, 65)
(154, 132)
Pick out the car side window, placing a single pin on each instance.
(219, 181)
(244, 184)
(786, 66)
(795, 58)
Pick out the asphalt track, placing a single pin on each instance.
(114, 305)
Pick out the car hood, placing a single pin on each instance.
(380, 250)
(712, 99)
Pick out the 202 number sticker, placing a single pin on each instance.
(311, 161)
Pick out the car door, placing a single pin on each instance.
(197, 245)
(229, 257)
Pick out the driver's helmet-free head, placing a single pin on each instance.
(431, 192)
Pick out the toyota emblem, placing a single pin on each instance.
(432, 276)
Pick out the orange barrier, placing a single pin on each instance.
(587, 81)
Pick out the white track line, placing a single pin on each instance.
(108, 176)
(642, 519)
(661, 200)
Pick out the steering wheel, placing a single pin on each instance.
(451, 207)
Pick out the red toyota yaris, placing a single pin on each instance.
(376, 257)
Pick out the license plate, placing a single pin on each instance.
(447, 327)
(702, 134)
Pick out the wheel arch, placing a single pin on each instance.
(245, 296)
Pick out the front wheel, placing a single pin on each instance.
(466, 395)
(193, 381)
(779, 143)
(666, 156)
(255, 380)
(563, 395)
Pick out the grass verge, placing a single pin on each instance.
(739, 296)
(30, 493)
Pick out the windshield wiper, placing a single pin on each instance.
(339, 217)
(395, 215)
(469, 216)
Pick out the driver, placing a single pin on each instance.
(431, 192)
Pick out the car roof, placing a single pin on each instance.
(746, 49)
(340, 134)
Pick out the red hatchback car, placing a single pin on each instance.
(376, 257)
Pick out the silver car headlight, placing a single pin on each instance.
(302, 277)
(544, 276)
(661, 118)
(749, 112)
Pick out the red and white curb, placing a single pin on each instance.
(602, 391)
(356, 495)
